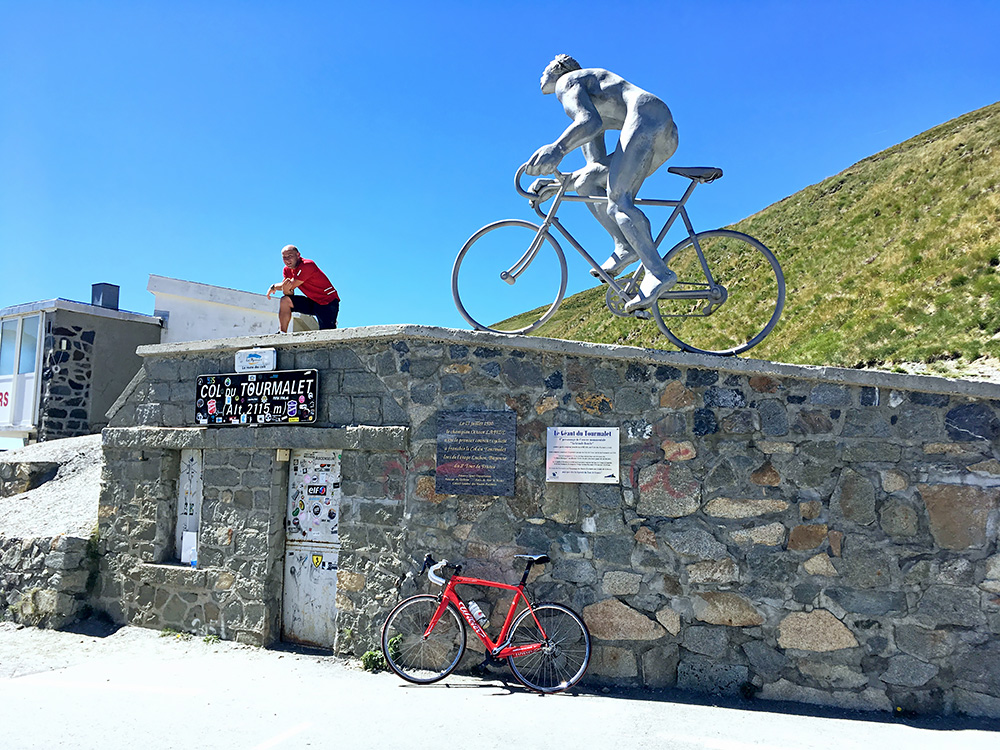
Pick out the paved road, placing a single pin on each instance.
(136, 689)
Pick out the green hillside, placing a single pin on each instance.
(893, 260)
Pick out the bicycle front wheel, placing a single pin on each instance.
(414, 657)
(499, 286)
(565, 652)
(741, 309)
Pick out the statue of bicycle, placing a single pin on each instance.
(721, 273)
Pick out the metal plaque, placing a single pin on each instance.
(260, 398)
(476, 453)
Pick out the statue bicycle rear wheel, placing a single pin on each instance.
(749, 294)
(491, 303)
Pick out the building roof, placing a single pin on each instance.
(78, 307)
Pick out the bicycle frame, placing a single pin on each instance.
(500, 649)
(549, 219)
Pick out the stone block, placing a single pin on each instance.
(741, 422)
(706, 640)
(899, 520)
(713, 571)
(703, 675)
(725, 507)
(669, 619)
(725, 608)
(659, 666)
(831, 675)
(908, 672)
(611, 620)
(807, 536)
(694, 544)
(854, 498)
(771, 535)
(621, 583)
(820, 565)
(612, 661)
(724, 398)
(971, 703)
(979, 666)
(958, 514)
(972, 422)
(817, 631)
(676, 396)
(594, 403)
(668, 490)
(682, 450)
(766, 661)
(705, 422)
(950, 605)
(699, 378)
(830, 394)
(869, 603)
(866, 423)
(773, 417)
(766, 475)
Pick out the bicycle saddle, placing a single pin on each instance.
(698, 174)
(535, 559)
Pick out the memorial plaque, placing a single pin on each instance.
(476, 453)
(582, 454)
(260, 398)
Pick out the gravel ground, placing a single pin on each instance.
(66, 504)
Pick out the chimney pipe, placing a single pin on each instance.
(104, 295)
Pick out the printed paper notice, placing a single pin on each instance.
(582, 454)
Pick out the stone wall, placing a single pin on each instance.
(86, 362)
(794, 533)
(45, 582)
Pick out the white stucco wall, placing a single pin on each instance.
(194, 311)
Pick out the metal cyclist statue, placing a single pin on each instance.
(597, 100)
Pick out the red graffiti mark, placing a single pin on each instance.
(646, 451)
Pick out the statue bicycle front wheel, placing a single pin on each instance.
(737, 312)
(499, 286)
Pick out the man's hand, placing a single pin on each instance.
(545, 160)
(544, 188)
(270, 291)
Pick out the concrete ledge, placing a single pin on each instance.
(842, 375)
(278, 436)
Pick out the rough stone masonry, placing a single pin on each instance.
(794, 533)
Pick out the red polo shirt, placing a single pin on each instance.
(315, 285)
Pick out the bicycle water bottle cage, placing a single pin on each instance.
(698, 174)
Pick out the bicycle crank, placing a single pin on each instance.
(718, 295)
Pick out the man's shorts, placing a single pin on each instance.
(326, 315)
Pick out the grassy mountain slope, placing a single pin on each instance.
(895, 259)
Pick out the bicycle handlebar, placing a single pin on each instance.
(560, 176)
(432, 573)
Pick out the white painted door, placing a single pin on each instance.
(309, 613)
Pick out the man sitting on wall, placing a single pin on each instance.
(320, 298)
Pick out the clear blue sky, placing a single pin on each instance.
(194, 139)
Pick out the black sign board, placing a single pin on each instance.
(242, 398)
(476, 453)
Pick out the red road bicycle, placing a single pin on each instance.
(546, 645)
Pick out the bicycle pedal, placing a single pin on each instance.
(642, 314)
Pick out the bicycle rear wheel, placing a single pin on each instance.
(750, 288)
(565, 651)
(486, 300)
(409, 654)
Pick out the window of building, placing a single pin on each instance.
(28, 353)
(8, 346)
